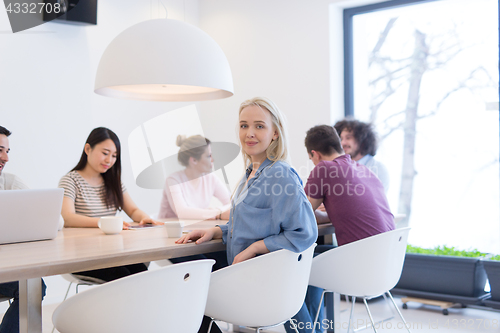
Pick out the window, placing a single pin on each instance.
(425, 73)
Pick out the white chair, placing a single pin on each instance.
(398, 218)
(366, 268)
(80, 280)
(169, 299)
(5, 298)
(261, 292)
(163, 262)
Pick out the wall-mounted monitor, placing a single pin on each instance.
(72, 11)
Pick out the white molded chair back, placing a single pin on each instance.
(367, 267)
(80, 280)
(5, 298)
(169, 299)
(263, 291)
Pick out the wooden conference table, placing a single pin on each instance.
(79, 249)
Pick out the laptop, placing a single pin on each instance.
(29, 215)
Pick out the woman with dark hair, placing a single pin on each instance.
(93, 189)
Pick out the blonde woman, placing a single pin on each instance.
(187, 194)
(269, 209)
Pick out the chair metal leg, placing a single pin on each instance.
(369, 314)
(353, 301)
(399, 312)
(389, 306)
(210, 326)
(393, 315)
(65, 296)
(82, 284)
(67, 291)
(319, 309)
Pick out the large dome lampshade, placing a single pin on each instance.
(164, 60)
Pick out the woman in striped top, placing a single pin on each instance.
(94, 189)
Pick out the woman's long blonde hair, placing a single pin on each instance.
(278, 149)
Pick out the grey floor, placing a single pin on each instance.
(420, 318)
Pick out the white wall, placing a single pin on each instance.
(281, 49)
(46, 92)
(287, 50)
(278, 49)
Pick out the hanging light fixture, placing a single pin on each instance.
(164, 60)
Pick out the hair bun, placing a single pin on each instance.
(180, 140)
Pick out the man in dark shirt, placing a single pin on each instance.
(353, 196)
(354, 200)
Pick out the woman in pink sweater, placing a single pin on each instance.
(187, 194)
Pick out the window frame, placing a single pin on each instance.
(348, 15)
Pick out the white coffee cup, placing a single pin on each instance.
(111, 225)
(174, 228)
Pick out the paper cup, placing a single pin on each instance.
(174, 228)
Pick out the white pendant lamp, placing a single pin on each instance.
(164, 60)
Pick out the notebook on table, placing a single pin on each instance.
(29, 215)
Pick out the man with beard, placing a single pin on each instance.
(359, 140)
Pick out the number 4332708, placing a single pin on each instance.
(33, 8)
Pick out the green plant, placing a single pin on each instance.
(447, 251)
(497, 257)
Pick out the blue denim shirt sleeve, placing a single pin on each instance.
(297, 234)
(292, 211)
(273, 208)
(224, 228)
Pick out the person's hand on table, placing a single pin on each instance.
(126, 225)
(148, 220)
(199, 236)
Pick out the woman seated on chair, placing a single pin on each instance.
(269, 209)
(187, 194)
(93, 189)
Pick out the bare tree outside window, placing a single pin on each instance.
(426, 75)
